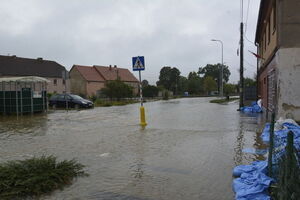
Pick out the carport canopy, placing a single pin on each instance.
(34, 79)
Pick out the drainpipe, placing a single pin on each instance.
(257, 80)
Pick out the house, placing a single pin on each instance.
(89, 80)
(278, 47)
(13, 66)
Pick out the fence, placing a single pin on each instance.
(283, 165)
(250, 93)
(18, 97)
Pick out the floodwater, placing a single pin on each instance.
(186, 152)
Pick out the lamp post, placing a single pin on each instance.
(221, 71)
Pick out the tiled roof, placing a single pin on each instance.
(89, 73)
(102, 73)
(16, 66)
(111, 73)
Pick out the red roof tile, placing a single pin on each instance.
(111, 73)
(89, 73)
(102, 73)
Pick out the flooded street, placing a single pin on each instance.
(187, 151)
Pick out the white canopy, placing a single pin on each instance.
(24, 79)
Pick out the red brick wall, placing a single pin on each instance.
(263, 82)
(93, 87)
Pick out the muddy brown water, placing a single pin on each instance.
(187, 151)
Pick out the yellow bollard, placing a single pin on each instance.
(143, 119)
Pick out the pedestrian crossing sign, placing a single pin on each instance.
(138, 63)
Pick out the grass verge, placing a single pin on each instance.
(102, 103)
(36, 176)
(223, 100)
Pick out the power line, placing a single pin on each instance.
(249, 40)
(246, 24)
(249, 63)
(242, 10)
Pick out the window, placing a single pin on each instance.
(265, 80)
(55, 81)
(269, 30)
(262, 45)
(274, 17)
(64, 81)
(265, 41)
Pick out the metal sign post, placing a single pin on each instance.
(64, 79)
(138, 64)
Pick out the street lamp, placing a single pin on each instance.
(221, 73)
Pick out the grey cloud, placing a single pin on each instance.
(166, 32)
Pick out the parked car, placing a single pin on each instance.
(73, 101)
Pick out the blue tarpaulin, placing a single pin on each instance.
(254, 108)
(252, 185)
(253, 182)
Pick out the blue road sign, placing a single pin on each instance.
(138, 63)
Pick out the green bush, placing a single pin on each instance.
(93, 98)
(36, 176)
(150, 91)
(117, 89)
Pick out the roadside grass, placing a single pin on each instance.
(223, 100)
(36, 176)
(104, 103)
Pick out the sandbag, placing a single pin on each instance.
(251, 184)
(260, 166)
(254, 108)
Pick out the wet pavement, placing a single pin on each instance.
(187, 151)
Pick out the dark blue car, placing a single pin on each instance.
(73, 101)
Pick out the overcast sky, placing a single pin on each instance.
(173, 33)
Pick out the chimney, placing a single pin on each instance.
(109, 67)
(40, 59)
(115, 66)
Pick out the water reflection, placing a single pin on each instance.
(248, 148)
(25, 124)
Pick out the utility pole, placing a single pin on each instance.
(242, 86)
(222, 66)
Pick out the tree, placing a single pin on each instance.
(229, 89)
(117, 89)
(194, 83)
(182, 85)
(145, 83)
(249, 82)
(214, 72)
(150, 91)
(209, 84)
(169, 78)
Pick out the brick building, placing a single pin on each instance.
(89, 80)
(13, 66)
(278, 46)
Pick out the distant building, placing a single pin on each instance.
(278, 41)
(12, 66)
(89, 80)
